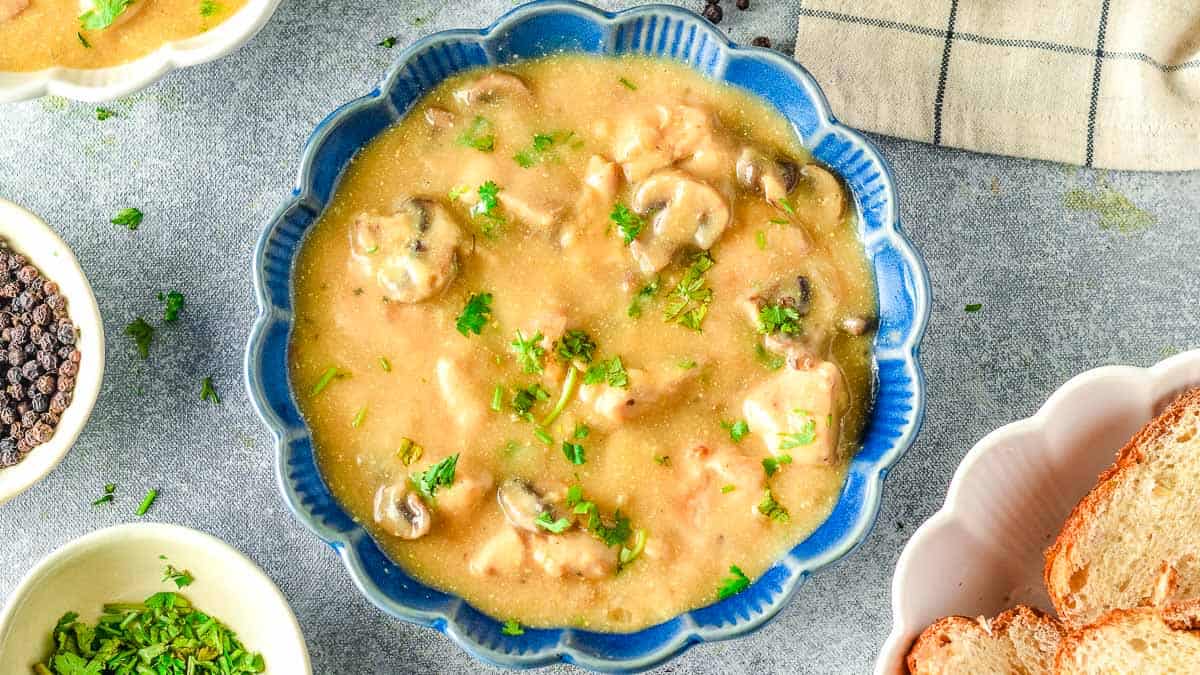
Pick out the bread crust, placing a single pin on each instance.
(1180, 616)
(928, 643)
(1128, 457)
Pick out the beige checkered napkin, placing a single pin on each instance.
(1106, 83)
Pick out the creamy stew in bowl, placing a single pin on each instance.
(577, 336)
(37, 34)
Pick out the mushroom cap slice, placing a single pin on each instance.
(521, 504)
(412, 252)
(401, 512)
(821, 199)
(690, 212)
(774, 178)
(491, 86)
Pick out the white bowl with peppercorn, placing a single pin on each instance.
(51, 349)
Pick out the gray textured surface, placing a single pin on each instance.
(210, 152)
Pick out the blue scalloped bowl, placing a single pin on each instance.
(530, 31)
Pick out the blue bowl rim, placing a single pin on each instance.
(908, 351)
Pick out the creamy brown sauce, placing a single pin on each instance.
(553, 259)
(37, 34)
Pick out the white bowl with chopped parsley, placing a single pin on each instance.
(102, 603)
(30, 236)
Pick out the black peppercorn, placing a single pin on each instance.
(68, 368)
(13, 375)
(743, 4)
(41, 403)
(31, 370)
(58, 403)
(713, 12)
(29, 419)
(46, 384)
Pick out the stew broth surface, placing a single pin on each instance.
(553, 259)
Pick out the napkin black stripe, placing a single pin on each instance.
(1091, 128)
(940, 97)
(998, 41)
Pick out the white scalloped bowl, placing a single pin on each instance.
(104, 84)
(983, 551)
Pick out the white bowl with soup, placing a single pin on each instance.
(98, 50)
(30, 236)
(577, 336)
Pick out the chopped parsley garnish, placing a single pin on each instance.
(129, 217)
(780, 221)
(688, 304)
(568, 392)
(389, 42)
(635, 306)
(83, 41)
(760, 240)
(778, 319)
(103, 13)
(109, 489)
(629, 224)
(385, 364)
(437, 476)
(769, 359)
(164, 634)
(475, 315)
(726, 489)
(331, 373)
(209, 7)
(488, 206)
(611, 535)
(686, 364)
(581, 431)
(574, 452)
(543, 436)
(662, 460)
(737, 430)
(772, 509)
(630, 553)
(512, 627)
(172, 303)
(575, 344)
(147, 502)
(529, 352)
(458, 191)
(627, 84)
(524, 400)
(535, 152)
(142, 334)
(611, 371)
(180, 577)
(731, 586)
(546, 521)
(787, 207)
(479, 135)
(497, 398)
(973, 307)
(104, 113)
(771, 464)
(208, 392)
(409, 451)
(359, 417)
(805, 436)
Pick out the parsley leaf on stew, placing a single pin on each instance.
(629, 224)
(769, 359)
(409, 451)
(129, 217)
(611, 535)
(537, 151)
(778, 319)
(103, 13)
(512, 627)
(207, 392)
(142, 334)
(771, 464)
(488, 207)
(805, 436)
(611, 371)
(737, 430)
(731, 586)
(772, 509)
(627, 84)
(688, 304)
(635, 306)
(475, 315)
(529, 352)
(525, 399)
(438, 475)
(209, 7)
(575, 344)
(574, 452)
(546, 521)
(479, 135)
(172, 303)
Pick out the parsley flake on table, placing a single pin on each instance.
(437, 476)
(479, 135)
(103, 113)
(129, 217)
(973, 307)
(142, 334)
(529, 352)
(611, 372)
(475, 315)
(737, 430)
(731, 586)
(546, 521)
(109, 490)
(208, 392)
(512, 627)
(629, 224)
(103, 13)
(772, 509)
(688, 304)
(147, 502)
(778, 319)
(388, 42)
(172, 303)
(574, 452)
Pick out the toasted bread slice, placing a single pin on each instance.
(1143, 513)
(1019, 640)
(1146, 641)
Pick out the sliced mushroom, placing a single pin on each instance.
(412, 252)
(773, 178)
(820, 199)
(439, 118)
(85, 6)
(858, 324)
(690, 212)
(11, 8)
(492, 86)
(521, 504)
(401, 512)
